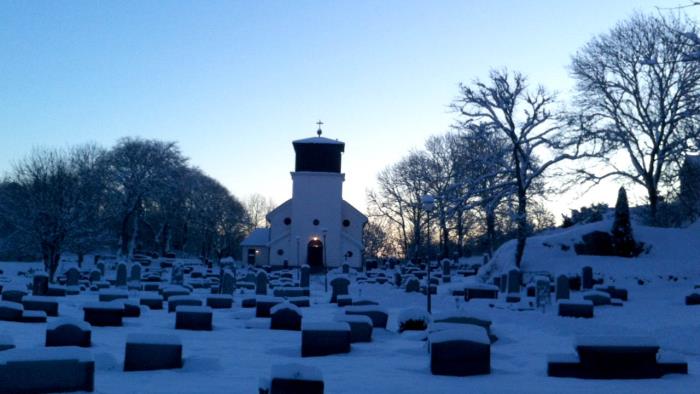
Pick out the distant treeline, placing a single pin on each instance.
(138, 196)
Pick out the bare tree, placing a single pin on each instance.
(637, 95)
(258, 207)
(41, 199)
(138, 171)
(523, 118)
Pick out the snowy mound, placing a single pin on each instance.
(668, 251)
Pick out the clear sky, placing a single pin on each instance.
(234, 82)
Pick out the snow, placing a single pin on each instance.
(318, 140)
(365, 309)
(153, 339)
(325, 326)
(233, 358)
(616, 341)
(52, 325)
(111, 305)
(11, 305)
(46, 354)
(193, 309)
(353, 319)
(285, 305)
(467, 332)
(296, 372)
(38, 298)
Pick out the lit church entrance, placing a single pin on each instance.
(314, 253)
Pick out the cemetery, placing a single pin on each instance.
(169, 222)
(360, 335)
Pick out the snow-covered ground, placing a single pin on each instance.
(232, 358)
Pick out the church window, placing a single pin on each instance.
(316, 222)
(280, 252)
(287, 221)
(346, 223)
(348, 253)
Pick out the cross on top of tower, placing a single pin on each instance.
(319, 131)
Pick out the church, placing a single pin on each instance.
(316, 224)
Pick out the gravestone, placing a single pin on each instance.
(514, 281)
(587, 277)
(304, 276)
(72, 277)
(397, 279)
(101, 267)
(562, 288)
(177, 276)
(346, 268)
(446, 271)
(340, 287)
(135, 274)
(121, 274)
(95, 276)
(543, 294)
(228, 283)
(68, 332)
(412, 285)
(40, 284)
(261, 283)
(504, 283)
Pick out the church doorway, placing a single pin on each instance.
(314, 254)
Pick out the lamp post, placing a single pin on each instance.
(428, 203)
(325, 263)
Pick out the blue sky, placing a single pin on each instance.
(235, 81)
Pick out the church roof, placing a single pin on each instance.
(318, 140)
(259, 237)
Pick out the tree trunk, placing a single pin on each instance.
(522, 227)
(125, 236)
(445, 237)
(460, 234)
(653, 195)
(490, 230)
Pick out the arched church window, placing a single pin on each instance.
(316, 222)
(348, 253)
(287, 221)
(346, 223)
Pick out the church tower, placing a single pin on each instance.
(316, 224)
(317, 197)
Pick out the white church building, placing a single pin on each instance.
(316, 223)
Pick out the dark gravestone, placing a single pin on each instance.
(72, 277)
(340, 286)
(261, 283)
(68, 332)
(135, 273)
(562, 291)
(582, 309)
(47, 370)
(304, 278)
(587, 277)
(95, 276)
(412, 285)
(104, 314)
(146, 352)
(40, 284)
(514, 281)
(285, 316)
(40, 303)
(294, 379)
(379, 315)
(323, 339)
(228, 283)
(460, 351)
(345, 268)
(360, 327)
(121, 275)
(446, 271)
(198, 318)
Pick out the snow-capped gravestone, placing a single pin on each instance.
(11, 311)
(360, 327)
(228, 283)
(378, 314)
(460, 351)
(177, 275)
(340, 286)
(304, 276)
(293, 378)
(146, 352)
(40, 284)
(446, 271)
(562, 290)
(612, 357)
(323, 339)
(576, 308)
(47, 370)
(196, 318)
(543, 294)
(135, 273)
(285, 316)
(95, 276)
(104, 314)
(72, 277)
(587, 278)
(121, 275)
(261, 283)
(14, 292)
(412, 285)
(68, 332)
